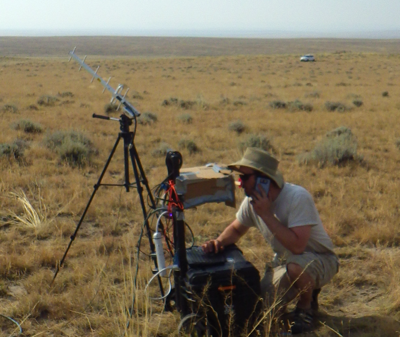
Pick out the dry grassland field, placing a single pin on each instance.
(333, 124)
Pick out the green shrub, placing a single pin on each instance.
(201, 103)
(225, 100)
(33, 107)
(358, 102)
(147, 118)
(47, 100)
(185, 118)
(74, 153)
(189, 145)
(398, 143)
(341, 130)
(260, 141)
(15, 149)
(72, 146)
(277, 104)
(170, 101)
(298, 105)
(314, 94)
(65, 94)
(239, 103)
(186, 104)
(110, 108)
(385, 94)
(336, 106)
(237, 126)
(162, 150)
(9, 108)
(337, 148)
(27, 126)
(136, 95)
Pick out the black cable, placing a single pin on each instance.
(138, 254)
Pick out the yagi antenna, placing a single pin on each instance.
(129, 109)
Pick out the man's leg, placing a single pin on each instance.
(303, 283)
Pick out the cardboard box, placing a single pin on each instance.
(205, 184)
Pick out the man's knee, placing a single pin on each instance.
(294, 271)
(297, 273)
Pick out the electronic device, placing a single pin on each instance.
(224, 296)
(264, 182)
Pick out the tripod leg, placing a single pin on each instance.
(136, 165)
(135, 155)
(96, 187)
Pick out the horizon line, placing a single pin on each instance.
(363, 34)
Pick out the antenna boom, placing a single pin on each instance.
(129, 109)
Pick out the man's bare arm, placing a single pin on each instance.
(230, 235)
(294, 239)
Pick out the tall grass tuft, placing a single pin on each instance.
(201, 102)
(30, 217)
(338, 147)
(72, 146)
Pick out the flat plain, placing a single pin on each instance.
(209, 99)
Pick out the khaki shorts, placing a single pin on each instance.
(321, 267)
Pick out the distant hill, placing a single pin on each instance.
(111, 46)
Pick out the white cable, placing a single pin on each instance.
(159, 219)
(169, 281)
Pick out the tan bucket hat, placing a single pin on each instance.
(261, 161)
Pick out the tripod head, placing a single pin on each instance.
(124, 121)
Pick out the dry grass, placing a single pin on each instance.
(358, 202)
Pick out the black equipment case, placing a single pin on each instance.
(225, 293)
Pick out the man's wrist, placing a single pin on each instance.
(268, 217)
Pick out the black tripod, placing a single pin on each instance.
(140, 180)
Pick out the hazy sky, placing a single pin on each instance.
(166, 17)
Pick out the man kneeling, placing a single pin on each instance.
(286, 216)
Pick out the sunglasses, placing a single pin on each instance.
(244, 177)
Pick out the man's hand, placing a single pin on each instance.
(261, 203)
(212, 246)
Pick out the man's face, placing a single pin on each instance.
(248, 178)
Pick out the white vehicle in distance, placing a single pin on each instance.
(307, 58)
